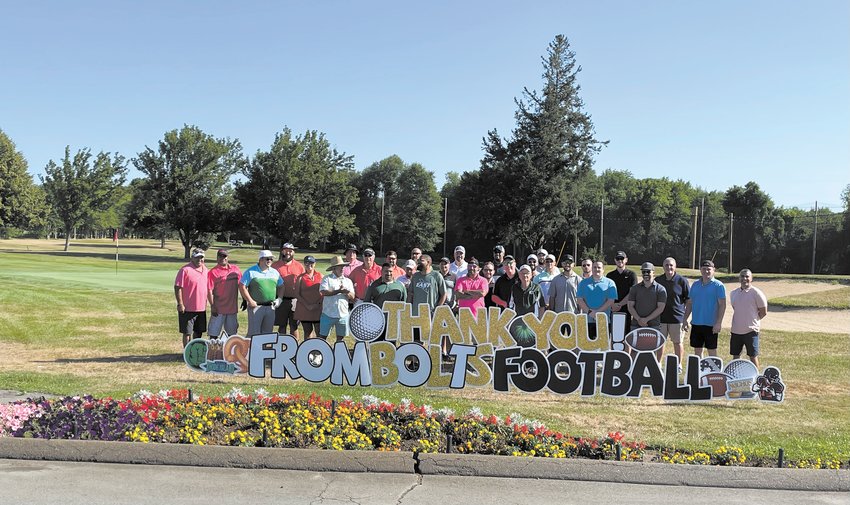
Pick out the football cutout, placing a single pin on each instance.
(645, 339)
(717, 381)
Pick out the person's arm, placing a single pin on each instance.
(762, 312)
(583, 305)
(607, 305)
(178, 295)
(659, 308)
(441, 290)
(243, 290)
(631, 306)
(718, 318)
(688, 308)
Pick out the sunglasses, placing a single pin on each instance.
(646, 272)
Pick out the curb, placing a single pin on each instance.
(318, 460)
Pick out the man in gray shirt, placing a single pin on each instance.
(646, 302)
(563, 288)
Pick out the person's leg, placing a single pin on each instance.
(324, 326)
(736, 344)
(182, 322)
(216, 323)
(255, 321)
(231, 324)
(711, 343)
(698, 339)
(753, 348)
(267, 320)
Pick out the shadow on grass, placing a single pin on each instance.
(156, 358)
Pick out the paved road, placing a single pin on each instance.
(51, 482)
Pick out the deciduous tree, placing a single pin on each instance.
(300, 190)
(79, 188)
(187, 181)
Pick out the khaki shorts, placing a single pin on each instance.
(673, 331)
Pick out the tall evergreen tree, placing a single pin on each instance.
(535, 175)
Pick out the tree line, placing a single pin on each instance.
(534, 187)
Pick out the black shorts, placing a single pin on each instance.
(192, 323)
(284, 314)
(703, 336)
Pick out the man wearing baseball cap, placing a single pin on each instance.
(365, 274)
(646, 302)
(190, 290)
(289, 269)
(498, 258)
(262, 288)
(526, 295)
(458, 266)
(624, 279)
(223, 280)
(563, 289)
(707, 304)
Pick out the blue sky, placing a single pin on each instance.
(717, 93)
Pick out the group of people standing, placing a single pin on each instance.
(290, 294)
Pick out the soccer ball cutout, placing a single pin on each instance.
(645, 339)
(366, 322)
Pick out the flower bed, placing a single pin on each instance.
(266, 420)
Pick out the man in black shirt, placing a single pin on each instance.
(624, 279)
(502, 289)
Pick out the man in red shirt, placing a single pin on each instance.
(190, 290)
(223, 283)
(289, 269)
(365, 274)
(392, 259)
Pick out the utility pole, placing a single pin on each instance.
(815, 238)
(701, 227)
(731, 220)
(445, 221)
(602, 225)
(694, 213)
(381, 250)
(575, 239)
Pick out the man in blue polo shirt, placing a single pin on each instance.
(596, 294)
(707, 304)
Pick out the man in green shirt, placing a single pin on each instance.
(385, 288)
(427, 286)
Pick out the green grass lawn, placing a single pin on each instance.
(837, 299)
(71, 325)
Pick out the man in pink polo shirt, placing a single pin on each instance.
(190, 290)
(471, 289)
(223, 280)
(750, 306)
